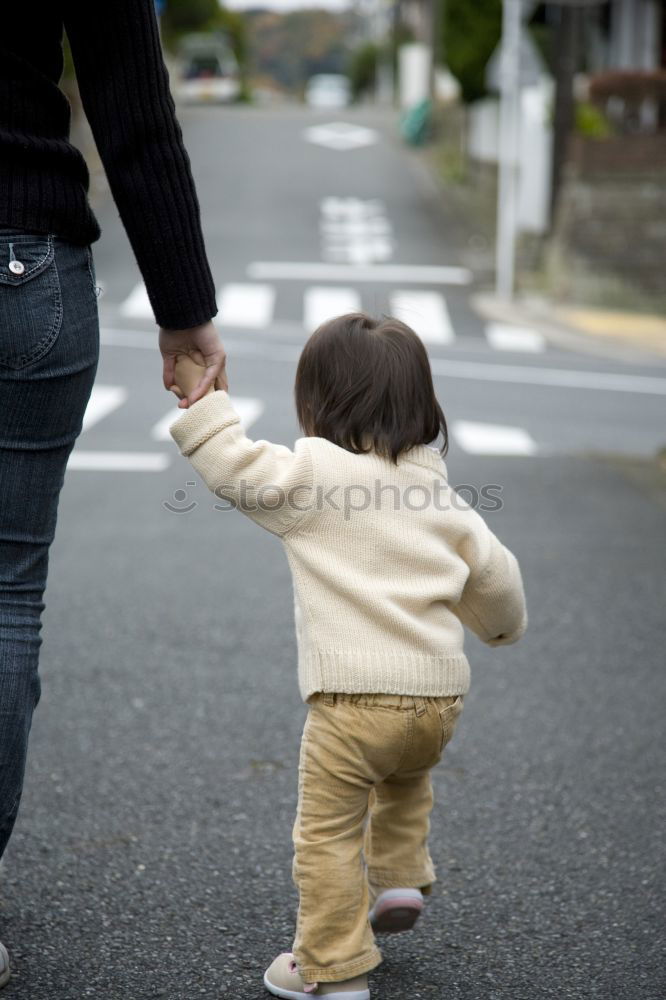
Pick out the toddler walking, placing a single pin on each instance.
(388, 564)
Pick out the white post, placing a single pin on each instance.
(414, 67)
(507, 188)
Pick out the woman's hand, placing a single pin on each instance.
(187, 376)
(203, 345)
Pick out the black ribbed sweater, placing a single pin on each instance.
(124, 87)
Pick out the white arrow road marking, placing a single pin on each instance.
(118, 461)
(410, 274)
(104, 399)
(320, 304)
(246, 305)
(492, 439)
(249, 410)
(514, 338)
(340, 136)
(137, 304)
(426, 312)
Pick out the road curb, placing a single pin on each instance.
(542, 315)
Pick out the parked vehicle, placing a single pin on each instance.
(328, 90)
(208, 70)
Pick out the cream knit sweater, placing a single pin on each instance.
(388, 562)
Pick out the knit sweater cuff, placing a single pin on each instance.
(508, 638)
(203, 420)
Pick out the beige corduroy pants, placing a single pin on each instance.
(364, 801)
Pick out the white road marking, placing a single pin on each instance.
(514, 338)
(426, 312)
(355, 231)
(282, 270)
(475, 371)
(104, 399)
(340, 136)
(246, 305)
(249, 410)
(320, 304)
(492, 439)
(143, 341)
(118, 461)
(137, 304)
(560, 378)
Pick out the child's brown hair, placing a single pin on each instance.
(366, 385)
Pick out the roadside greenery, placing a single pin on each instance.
(469, 33)
(362, 69)
(591, 122)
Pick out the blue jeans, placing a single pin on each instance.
(49, 347)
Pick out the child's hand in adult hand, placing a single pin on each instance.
(203, 345)
(188, 371)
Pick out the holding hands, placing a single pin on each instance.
(189, 373)
(194, 362)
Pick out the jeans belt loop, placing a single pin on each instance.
(419, 706)
(328, 698)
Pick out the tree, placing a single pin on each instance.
(470, 32)
(293, 46)
(362, 69)
(182, 16)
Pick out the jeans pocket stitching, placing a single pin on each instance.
(91, 270)
(41, 265)
(15, 363)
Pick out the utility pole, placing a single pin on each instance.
(566, 37)
(509, 120)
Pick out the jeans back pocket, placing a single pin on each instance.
(30, 298)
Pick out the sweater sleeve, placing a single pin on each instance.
(125, 92)
(492, 604)
(270, 483)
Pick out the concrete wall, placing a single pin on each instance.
(609, 236)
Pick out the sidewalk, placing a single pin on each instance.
(621, 335)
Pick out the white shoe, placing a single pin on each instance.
(396, 910)
(5, 971)
(282, 980)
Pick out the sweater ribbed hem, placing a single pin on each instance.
(340, 672)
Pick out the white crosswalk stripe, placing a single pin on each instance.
(429, 274)
(246, 305)
(137, 304)
(514, 338)
(118, 461)
(104, 399)
(249, 410)
(251, 305)
(321, 304)
(472, 437)
(492, 439)
(427, 314)
(107, 398)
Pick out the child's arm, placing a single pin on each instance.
(493, 600)
(268, 482)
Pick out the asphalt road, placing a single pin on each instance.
(152, 855)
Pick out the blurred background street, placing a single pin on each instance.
(152, 854)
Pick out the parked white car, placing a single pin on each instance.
(328, 90)
(208, 71)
